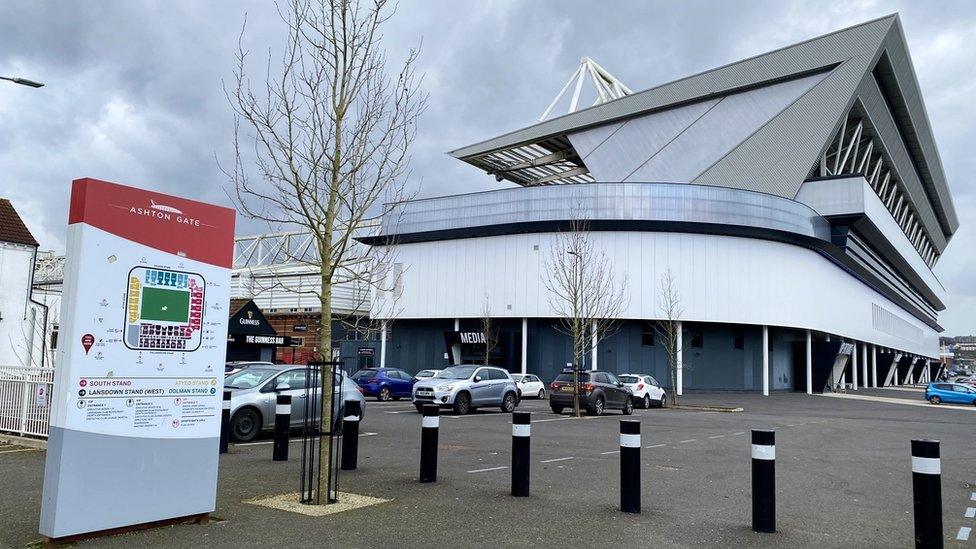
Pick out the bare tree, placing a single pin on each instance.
(330, 130)
(668, 328)
(584, 293)
(488, 331)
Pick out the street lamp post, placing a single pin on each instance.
(22, 81)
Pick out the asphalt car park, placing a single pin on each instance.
(843, 479)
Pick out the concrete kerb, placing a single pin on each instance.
(706, 408)
(38, 443)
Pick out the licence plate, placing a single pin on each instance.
(425, 393)
(566, 388)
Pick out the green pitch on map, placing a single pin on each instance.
(166, 305)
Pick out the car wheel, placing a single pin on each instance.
(597, 408)
(384, 395)
(245, 425)
(542, 394)
(462, 404)
(556, 409)
(646, 402)
(935, 400)
(664, 401)
(508, 403)
(628, 407)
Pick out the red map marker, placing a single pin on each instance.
(87, 341)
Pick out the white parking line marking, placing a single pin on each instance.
(973, 497)
(400, 412)
(790, 425)
(553, 419)
(964, 533)
(610, 452)
(971, 512)
(717, 436)
(739, 433)
(689, 440)
(555, 460)
(655, 446)
(291, 440)
(489, 469)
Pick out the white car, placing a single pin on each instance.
(530, 386)
(426, 374)
(647, 391)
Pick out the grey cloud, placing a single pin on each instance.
(134, 88)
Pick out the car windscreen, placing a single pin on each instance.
(629, 379)
(363, 375)
(568, 377)
(457, 372)
(249, 378)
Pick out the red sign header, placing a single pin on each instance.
(195, 230)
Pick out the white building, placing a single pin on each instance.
(22, 319)
(798, 198)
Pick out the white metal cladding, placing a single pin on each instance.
(612, 156)
(675, 202)
(680, 146)
(854, 195)
(720, 279)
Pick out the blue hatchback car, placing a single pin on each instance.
(384, 383)
(950, 393)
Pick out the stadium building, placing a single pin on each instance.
(797, 198)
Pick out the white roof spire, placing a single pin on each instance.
(605, 85)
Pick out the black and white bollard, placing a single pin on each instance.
(927, 493)
(521, 435)
(630, 466)
(763, 481)
(225, 423)
(350, 435)
(281, 427)
(430, 424)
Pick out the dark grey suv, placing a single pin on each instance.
(599, 391)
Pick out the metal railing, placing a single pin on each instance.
(25, 400)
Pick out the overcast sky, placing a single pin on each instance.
(133, 89)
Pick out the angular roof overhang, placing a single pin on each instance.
(775, 159)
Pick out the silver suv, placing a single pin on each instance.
(467, 386)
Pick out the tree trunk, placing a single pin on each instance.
(326, 382)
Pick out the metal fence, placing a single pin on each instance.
(25, 400)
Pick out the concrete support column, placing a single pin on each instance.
(809, 363)
(864, 365)
(679, 362)
(383, 345)
(765, 361)
(525, 345)
(874, 366)
(593, 346)
(854, 366)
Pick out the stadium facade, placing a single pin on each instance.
(797, 197)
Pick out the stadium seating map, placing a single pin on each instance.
(164, 310)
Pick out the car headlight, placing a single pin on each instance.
(445, 388)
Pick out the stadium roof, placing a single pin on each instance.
(762, 124)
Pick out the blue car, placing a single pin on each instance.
(384, 383)
(950, 393)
